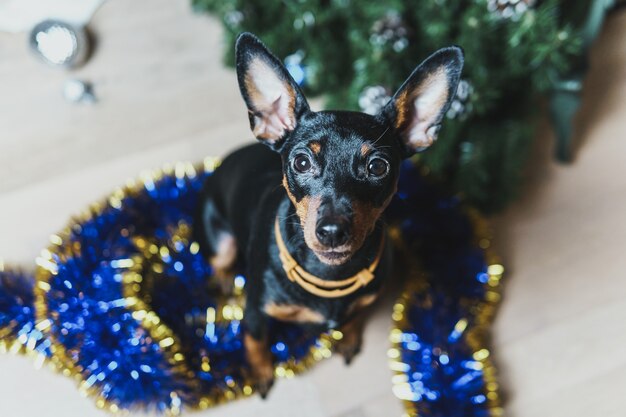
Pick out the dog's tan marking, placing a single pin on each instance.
(225, 253)
(286, 187)
(223, 262)
(259, 357)
(293, 313)
(308, 221)
(361, 302)
(417, 108)
(366, 148)
(306, 209)
(350, 344)
(365, 217)
(315, 147)
(403, 109)
(405, 103)
(302, 206)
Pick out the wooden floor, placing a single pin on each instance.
(164, 96)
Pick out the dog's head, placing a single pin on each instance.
(340, 169)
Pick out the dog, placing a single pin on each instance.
(301, 212)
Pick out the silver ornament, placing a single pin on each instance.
(392, 30)
(59, 43)
(306, 20)
(77, 91)
(509, 9)
(373, 98)
(234, 18)
(296, 69)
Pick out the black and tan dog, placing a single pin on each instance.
(302, 212)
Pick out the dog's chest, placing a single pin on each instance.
(331, 313)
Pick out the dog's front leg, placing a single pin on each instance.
(257, 348)
(350, 344)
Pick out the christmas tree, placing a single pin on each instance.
(355, 53)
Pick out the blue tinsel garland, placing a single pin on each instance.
(124, 300)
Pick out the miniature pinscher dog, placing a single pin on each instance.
(300, 213)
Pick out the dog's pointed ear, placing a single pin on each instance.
(274, 100)
(418, 107)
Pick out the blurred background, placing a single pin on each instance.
(146, 84)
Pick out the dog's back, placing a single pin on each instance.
(236, 189)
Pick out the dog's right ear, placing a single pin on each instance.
(418, 107)
(274, 100)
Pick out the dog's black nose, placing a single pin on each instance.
(333, 232)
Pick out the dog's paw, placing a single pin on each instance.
(262, 379)
(225, 281)
(263, 386)
(261, 368)
(348, 348)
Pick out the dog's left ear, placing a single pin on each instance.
(274, 100)
(418, 107)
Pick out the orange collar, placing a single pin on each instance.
(318, 286)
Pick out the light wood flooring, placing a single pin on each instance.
(560, 335)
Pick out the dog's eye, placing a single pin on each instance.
(377, 167)
(302, 163)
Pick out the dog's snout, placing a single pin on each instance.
(334, 222)
(333, 231)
